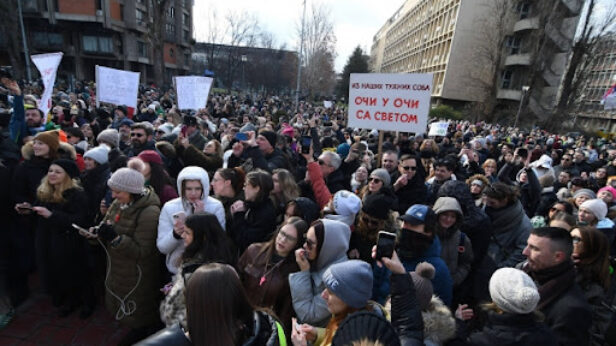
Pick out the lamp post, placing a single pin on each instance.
(299, 61)
(525, 89)
(23, 38)
(244, 59)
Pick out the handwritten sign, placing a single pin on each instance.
(117, 86)
(327, 104)
(47, 64)
(392, 102)
(438, 129)
(192, 91)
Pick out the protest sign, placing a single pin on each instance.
(392, 102)
(47, 64)
(192, 91)
(327, 104)
(116, 86)
(438, 129)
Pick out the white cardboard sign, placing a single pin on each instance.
(47, 64)
(327, 104)
(192, 91)
(438, 129)
(117, 86)
(391, 102)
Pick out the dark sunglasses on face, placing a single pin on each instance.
(576, 239)
(138, 135)
(376, 180)
(309, 244)
(411, 168)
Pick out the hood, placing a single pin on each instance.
(194, 173)
(335, 242)
(444, 204)
(26, 151)
(460, 191)
(149, 198)
(439, 324)
(67, 151)
(347, 219)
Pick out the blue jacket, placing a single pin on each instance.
(442, 282)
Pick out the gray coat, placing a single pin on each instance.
(510, 230)
(307, 286)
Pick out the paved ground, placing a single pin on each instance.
(37, 323)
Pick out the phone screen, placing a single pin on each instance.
(385, 245)
(306, 142)
(240, 136)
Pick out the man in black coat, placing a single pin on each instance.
(409, 187)
(562, 301)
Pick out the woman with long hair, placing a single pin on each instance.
(156, 176)
(285, 189)
(60, 249)
(264, 269)
(490, 169)
(219, 313)
(205, 242)
(227, 184)
(254, 217)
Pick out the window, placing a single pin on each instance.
(97, 44)
(524, 9)
(171, 12)
(99, 4)
(171, 52)
(30, 5)
(513, 44)
(170, 31)
(186, 59)
(140, 17)
(186, 35)
(506, 79)
(47, 39)
(142, 49)
(185, 19)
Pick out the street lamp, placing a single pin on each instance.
(244, 59)
(525, 89)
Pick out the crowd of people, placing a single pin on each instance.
(251, 222)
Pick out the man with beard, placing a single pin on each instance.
(140, 139)
(417, 243)
(562, 301)
(27, 120)
(124, 131)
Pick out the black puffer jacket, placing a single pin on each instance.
(513, 329)
(405, 311)
(255, 225)
(94, 184)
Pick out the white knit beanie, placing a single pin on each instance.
(597, 207)
(128, 180)
(513, 291)
(99, 154)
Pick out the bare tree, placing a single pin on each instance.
(319, 51)
(155, 36)
(9, 26)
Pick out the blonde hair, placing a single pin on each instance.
(55, 194)
(366, 342)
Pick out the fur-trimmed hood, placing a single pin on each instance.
(65, 150)
(439, 324)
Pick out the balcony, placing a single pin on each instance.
(526, 24)
(518, 59)
(551, 77)
(509, 94)
(574, 6)
(558, 38)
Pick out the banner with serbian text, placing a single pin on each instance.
(391, 102)
(192, 91)
(117, 86)
(47, 64)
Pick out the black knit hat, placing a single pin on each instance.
(365, 325)
(69, 166)
(378, 204)
(271, 137)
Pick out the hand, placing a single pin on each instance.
(198, 206)
(298, 338)
(464, 313)
(402, 181)
(106, 231)
(24, 208)
(310, 156)
(91, 234)
(393, 264)
(238, 206)
(312, 121)
(11, 85)
(301, 259)
(183, 140)
(252, 139)
(335, 126)
(42, 211)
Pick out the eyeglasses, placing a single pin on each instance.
(375, 180)
(287, 237)
(310, 244)
(135, 134)
(322, 163)
(566, 160)
(576, 239)
(411, 168)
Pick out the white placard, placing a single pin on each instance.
(192, 91)
(47, 64)
(439, 129)
(392, 102)
(117, 86)
(327, 104)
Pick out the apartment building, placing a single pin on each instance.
(445, 37)
(111, 33)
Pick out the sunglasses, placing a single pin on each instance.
(310, 244)
(138, 135)
(576, 239)
(322, 163)
(376, 180)
(409, 168)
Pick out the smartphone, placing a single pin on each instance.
(385, 244)
(83, 231)
(24, 207)
(306, 142)
(241, 136)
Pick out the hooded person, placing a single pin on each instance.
(457, 250)
(194, 188)
(327, 242)
(303, 207)
(343, 207)
(593, 212)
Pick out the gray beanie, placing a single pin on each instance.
(109, 136)
(128, 180)
(590, 193)
(513, 291)
(351, 281)
(99, 154)
(597, 207)
(383, 175)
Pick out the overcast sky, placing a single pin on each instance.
(355, 21)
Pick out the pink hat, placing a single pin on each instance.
(609, 189)
(287, 130)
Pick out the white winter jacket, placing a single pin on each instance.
(165, 241)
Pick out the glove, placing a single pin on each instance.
(106, 232)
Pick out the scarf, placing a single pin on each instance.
(506, 219)
(553, 282)
(413, 244)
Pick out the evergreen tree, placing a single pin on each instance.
(357, 63)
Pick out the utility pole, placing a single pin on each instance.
(23, 37)
(299, 61)
(517, 116)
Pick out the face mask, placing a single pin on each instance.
(413, 244)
